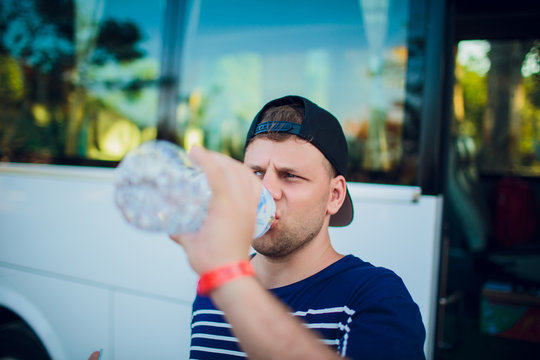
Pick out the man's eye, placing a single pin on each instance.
(258, 173)
(290, 176)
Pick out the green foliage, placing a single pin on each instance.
(44, 100)
(475, 99)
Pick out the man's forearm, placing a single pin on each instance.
(264, 327)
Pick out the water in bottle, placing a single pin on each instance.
(158, 188)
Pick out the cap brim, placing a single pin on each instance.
(345, 214)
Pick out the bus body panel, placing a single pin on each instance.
(150, 328)
(83, 228)
(69, 318)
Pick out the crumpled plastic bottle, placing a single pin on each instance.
(158, 188)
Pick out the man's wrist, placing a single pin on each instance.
(219, 276)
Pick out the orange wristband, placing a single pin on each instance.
(215, 278)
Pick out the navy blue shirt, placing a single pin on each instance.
(362, 311)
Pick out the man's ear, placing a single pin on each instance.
(338, 191)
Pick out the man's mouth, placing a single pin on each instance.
(274, 223)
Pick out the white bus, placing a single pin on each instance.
(84, 81)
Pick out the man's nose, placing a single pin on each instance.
(271, 183)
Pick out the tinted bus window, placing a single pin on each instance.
(350, 57)
(86, 86)
(78, 78)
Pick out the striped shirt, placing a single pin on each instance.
(360, 310)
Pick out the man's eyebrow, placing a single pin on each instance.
(254, 167)
(280, 169)
(285, 169)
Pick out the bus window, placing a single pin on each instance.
(497, 138)
(78, 79)
(350, 57)
(497, 103)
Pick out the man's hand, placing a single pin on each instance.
(226, 234)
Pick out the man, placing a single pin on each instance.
(297, 297)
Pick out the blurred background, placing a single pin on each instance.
(439, 95)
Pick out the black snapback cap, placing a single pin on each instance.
(322, 130)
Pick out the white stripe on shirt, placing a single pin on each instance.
(338, 309)
(215, 337)
(211, 323)
(208, 312)
(218, 351)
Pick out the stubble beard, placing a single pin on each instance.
(281, 243)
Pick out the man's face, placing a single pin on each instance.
(296, 174)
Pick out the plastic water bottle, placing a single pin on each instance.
(158, 188)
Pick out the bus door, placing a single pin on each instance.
(490, 284)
